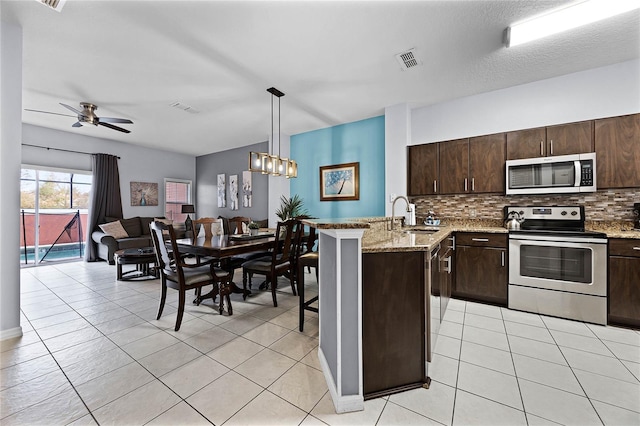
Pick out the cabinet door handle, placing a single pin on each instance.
(636, 248)
(541, 148)
(435, 187)
(502, 258)
(551, 146)
(482, 240)
(465, 184)
(447, 268)
(473, 184)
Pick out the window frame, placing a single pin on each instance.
(180, 217)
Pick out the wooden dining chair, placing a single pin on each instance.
(281, 262)
(176, 273)
(309, 258)
(208, 227)
(238, 224)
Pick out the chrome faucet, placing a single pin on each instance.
(393, 208)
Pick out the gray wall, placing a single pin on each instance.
(231, 162)
(10, 135)
(136, 163)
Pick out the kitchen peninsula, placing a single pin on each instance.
(376, 303)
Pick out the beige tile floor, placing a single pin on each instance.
(93, 353)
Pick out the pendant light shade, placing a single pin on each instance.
(270, 163)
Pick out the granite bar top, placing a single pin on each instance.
(356, 223)
(379, 237)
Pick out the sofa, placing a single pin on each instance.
(137, 236)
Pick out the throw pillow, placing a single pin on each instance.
(132, 226)
(114, 229)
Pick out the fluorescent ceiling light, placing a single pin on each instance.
(566, 18)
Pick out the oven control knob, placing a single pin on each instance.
(564, 213)
(573, 213)
(521, 213)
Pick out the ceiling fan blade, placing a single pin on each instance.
(71, 108)
(115, 120)
(47, 112)
(111, 126)
(76, 124)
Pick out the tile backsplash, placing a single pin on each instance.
(606, 205)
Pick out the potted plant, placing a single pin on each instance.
(253, 228)
(291, 208)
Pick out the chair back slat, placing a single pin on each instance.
(238, 222)
(210, 225)
(159, 241)
(162, 253)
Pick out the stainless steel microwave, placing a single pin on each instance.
(561, 174)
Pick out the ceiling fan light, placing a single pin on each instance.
(565, 18)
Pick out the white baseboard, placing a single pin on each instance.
(10, 333)
(341, 403)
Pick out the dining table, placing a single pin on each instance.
(223, 247)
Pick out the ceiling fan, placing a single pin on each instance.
(87, 115)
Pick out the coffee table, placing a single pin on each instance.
(141, 258)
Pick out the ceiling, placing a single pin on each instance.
(335, 62)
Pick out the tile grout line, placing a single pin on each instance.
(573, 372)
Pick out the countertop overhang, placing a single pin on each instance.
(378, 239)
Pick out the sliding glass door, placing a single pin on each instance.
(53, 214)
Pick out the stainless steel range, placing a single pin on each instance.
(555, 266)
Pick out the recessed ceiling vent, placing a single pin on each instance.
(56, 5)
(408, 59)
(184, 107)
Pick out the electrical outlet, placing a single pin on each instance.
(392, 197)
(472, 213)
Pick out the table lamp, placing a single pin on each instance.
(188, 208)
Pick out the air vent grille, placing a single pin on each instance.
(56, 5)
(408, 59)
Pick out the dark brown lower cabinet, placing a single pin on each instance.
(624, 282)
(393, 322)
(481, 267)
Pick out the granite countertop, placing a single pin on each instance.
(619, 229)
(379, 238)
(414, 238)
(355, 223)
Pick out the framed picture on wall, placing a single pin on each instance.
(246, 188)
(340, 182)
(233, 192)
(144, 193)
(222, 191)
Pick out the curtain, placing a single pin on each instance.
(105, 198)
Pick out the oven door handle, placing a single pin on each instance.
(556, 240)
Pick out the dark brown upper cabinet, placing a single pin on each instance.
(487, 156)
(617, 146)
(527, 143)
(572, 138)
(423, 169)
(454, 166)
(563, 139)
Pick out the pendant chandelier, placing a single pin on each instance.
(270, 163)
